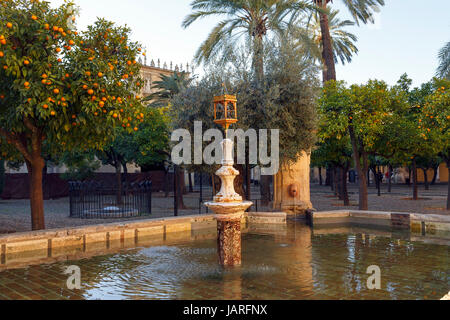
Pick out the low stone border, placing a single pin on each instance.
(416, 223)
(267, 217)
(48, 245)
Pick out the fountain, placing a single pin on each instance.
(227, 205)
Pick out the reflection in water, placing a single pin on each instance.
(280, 263)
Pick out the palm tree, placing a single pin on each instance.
(361, 11)
(167, 88)
(443, 70)
(252, 18)
(309, 37)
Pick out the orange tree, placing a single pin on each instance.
(61, 90)
(434, 122)
(365, 113)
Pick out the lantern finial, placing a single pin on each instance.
(225, 110)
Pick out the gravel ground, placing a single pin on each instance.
(15, 214)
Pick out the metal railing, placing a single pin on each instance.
(95, 200)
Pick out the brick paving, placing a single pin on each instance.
(15, 214)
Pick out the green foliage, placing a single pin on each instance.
(443, 70)
(435, 119)
(80, 166)
(167, 88)
(253, 19)
(309, 36)
(145, 147)
(152, 139)
(286, 102)
(48, 71)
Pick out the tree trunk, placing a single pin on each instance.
(344, 186)
(390, 179)
(125, 177)
(180, 187)
(239, 181)
(362, 171)
(191, 188)
(265, 190)
(166, 184)
(340, 192)
(320, 177)
(379, 179)
(415, 187)
(35, 172)
(425, 178)
(335, 182)
(328, 178)
(248, 177)
(435, 173)
(448, 194)
(119, 183)
(331, 178)
(327, 53)
(258, 59)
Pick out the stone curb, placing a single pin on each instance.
(50, 244)
(417, 223)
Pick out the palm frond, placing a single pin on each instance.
(443, 70)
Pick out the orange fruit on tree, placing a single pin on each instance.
(3, 41)
(58, 50)
(55, 91)
(100, 74)
(90, 91)
(115, 115)
(26, 84)
(45, 106)
(9, 25)
(26, 62)
(2, 54)
(46, 26)
(53, 113)
(34, 17)
(87, 73)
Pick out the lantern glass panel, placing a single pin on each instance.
(220, 114)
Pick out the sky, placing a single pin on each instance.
(406, 37)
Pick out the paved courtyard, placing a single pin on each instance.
(15, 214)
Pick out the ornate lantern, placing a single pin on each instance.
(225, 110)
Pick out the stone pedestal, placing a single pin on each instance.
(229, 209)
(293, 177)
(229, 216)
(229, 242)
